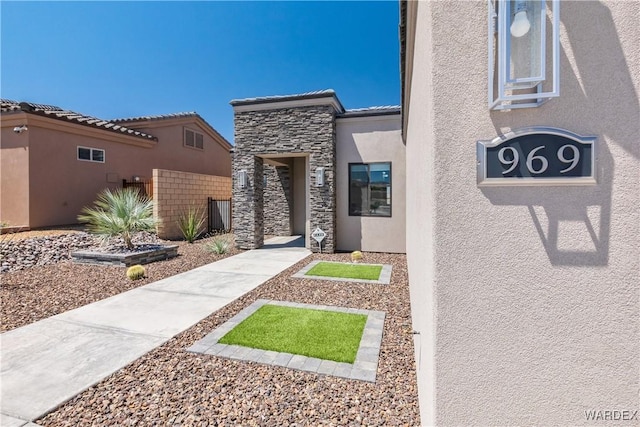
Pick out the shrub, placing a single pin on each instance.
(121, 212)
(219, 245)
(190, 223)
(356, 256)
(135, 272)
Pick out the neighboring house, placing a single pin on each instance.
(54, 161)
(303, 162)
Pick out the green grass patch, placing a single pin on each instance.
(323, 334)
(346, 271)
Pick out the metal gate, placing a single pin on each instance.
(219, 215)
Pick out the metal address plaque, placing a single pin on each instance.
(537, 156)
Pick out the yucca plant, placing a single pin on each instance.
(190, 223)
(121, 212)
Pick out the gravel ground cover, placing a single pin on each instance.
(52, 284)
(169, 386)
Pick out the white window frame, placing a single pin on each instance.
(91, 151)
(195, 133)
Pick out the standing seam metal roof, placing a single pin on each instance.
(371, 111)
(326, 93)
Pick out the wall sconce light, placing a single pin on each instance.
(319, 177)
(518, 46)
(136, 178)
(242, 178)
(20, 129)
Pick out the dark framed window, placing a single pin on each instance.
(193, 139)
(91, 154)
(370, 189)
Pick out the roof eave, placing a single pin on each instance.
(326, 97)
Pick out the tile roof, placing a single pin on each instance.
(71, 116)
(278, 98)
(157, 117)
(9, 105)
(133, 120)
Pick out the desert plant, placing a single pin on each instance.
(135, 272)
(219, 245)
(356, 256)
(121, 212)
(190, 223)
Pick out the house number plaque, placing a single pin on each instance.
(537, 156)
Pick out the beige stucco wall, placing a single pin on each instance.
(526, 299)
(170, 152)
(14, 163)
(47, 182)
(367, 140)
(175, 192)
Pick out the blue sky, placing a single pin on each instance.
(123, 59)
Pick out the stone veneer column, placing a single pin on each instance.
(247, 206)
(306, 130)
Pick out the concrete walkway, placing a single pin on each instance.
(46, 363)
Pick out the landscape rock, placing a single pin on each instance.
(18, 254)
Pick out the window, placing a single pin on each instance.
(91, 154)
(193, 139)
(370, 189)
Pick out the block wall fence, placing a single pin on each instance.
(174, 192)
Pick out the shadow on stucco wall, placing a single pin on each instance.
(610, 99)
(572, 222)
(597, 97)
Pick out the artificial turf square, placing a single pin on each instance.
(328, 335)
(346, 270)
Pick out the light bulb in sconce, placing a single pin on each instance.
(520, 25)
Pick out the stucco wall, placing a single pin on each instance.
(367, 140)
(526, 300)
(171, 153)
(60, 185)
(14, 185)
(175, 192)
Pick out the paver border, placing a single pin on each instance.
(364, 368)
(384, 279)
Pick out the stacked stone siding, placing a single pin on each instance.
(174, 192)
(278, 203)
(308, 130)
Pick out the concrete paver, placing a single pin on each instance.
(364, 368)
(383, 279)
(48, 362)
(7, 421)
